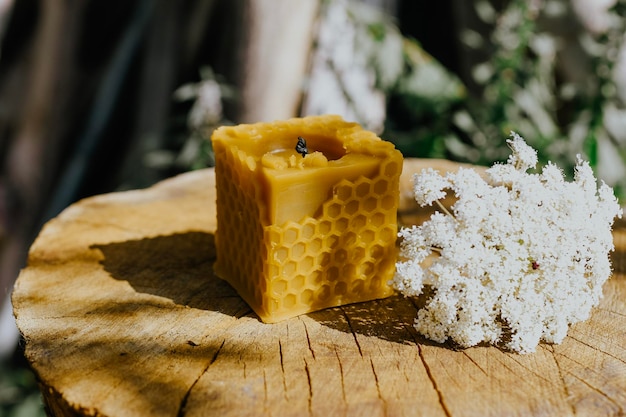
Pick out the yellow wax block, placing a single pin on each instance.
(297, 233)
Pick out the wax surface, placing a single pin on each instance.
(301, 233)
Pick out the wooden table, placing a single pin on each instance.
(122, 316)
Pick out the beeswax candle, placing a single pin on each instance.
(300, 232)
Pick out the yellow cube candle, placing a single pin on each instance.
(300, 232)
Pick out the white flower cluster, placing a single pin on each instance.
(517, 259)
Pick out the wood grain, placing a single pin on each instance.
(122, 316)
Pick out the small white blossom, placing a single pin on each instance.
(552, 176)
(523, 156)
(428, 187)
(517, 260)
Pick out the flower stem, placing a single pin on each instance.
(436, 249)
(445, 210)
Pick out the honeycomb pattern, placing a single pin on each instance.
(238, 217)
(345, 253)
(345, 256)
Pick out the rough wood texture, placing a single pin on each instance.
(123, 317)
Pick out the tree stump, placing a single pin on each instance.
(122, 316)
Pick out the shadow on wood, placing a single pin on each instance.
(178, 267)
(389, 319)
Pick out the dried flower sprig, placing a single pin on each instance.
(516, 260)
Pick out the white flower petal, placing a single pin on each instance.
(429, 187)
(523, 156)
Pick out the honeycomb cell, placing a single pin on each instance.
(391, 169)
(274, 236)
(352, 207)
(290, 301)
(281, 254)
(307, 296)
(378, 219)
(298, 282)
(289, 236)
(388, 234)
(334, 211)
(315, 278)
(325, 227)
(362, 189)
(388, 202)
(324, 292)
(340, 256)
(279, 286)
(370, 204)
(298, 250)
(324, 259)
(358, 254)
(359, 221)
(380, 187)
(315, 245)
(366, 268)
(344, 192)
(358, 285)
(290, 268)
(333, 273)
(307, 231)
(349, 239)
(307, 264)
(377, 251)
(348, 270)
(375, 283)
(331, 241)
(341, 224)
(341, 288)
(367, 236)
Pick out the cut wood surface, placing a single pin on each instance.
(122, 316)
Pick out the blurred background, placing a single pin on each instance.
(102, 95)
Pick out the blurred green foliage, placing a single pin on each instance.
(19, 393)
(523, 86)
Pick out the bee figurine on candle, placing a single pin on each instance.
(301, 147)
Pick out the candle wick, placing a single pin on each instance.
(301, 147)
